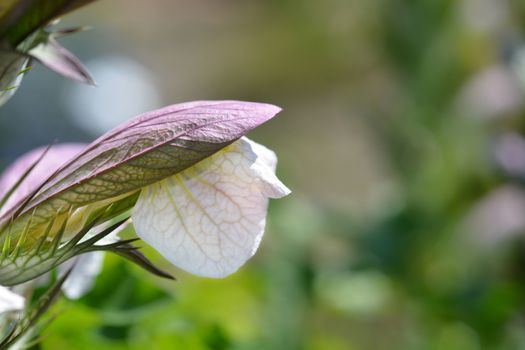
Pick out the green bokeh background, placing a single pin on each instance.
(400, 139)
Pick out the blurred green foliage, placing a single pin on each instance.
(405, 227)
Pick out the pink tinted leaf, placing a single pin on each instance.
(57, 58)
(51, 161)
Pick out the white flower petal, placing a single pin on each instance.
(10, 301)
(263, 166)
(82, 277)
(86, 266)
(264, 154)
(210, 219)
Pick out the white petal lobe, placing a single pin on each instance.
(86, 267)
(10, 301)
(82, 277)
(209, 219)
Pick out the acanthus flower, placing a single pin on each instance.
(197, 188)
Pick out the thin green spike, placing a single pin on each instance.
(92, 221)
(58, 238)
(6, 246)
(9, 88)
(7, 243)
(25, 70)
(44, 237)
(90, 242)
(21, 241)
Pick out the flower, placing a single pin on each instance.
(210, 218)
(197, 188)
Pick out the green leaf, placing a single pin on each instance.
(24, 264)
(133, 254)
